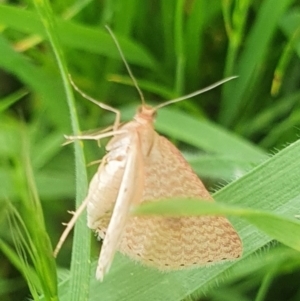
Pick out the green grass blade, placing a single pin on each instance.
(235, 27)
(290, 25)
(35, 78)
(285, 230)
(28, 231)
(217, 166)
(77, 36)
(206, 135)
(284, 62)
(17, 262)
(267, 118)
(256, 48)
(179, 48)
(80, 264)
(11, 99)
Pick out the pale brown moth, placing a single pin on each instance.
(142, 166)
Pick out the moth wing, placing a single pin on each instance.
(130, 192)
(175, 243)
(103, 192)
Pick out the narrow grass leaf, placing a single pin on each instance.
(8, 101)
(80, 264)
(255, 49)
(290, 25)
(36, 79)
(77, 36)
(16, 260)
(219, 167)
(206, 135)
(283, 229)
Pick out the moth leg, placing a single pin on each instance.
(94, 162)
(100, 104)
(73, 220)
(130, 192)
(69, 226)
(95, 136)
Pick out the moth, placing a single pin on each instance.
(142, 166)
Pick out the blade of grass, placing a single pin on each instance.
(205, 135)
(34, 39)
(265, 285)
(285, 230)
(43, 83)
(219, 167)
(124, 17)
(11, 99)
(289, 24)
(278, 131)
(235, 94)
(267, 118)
(15, 259)
(286, 57)
(28, 230)
(235, 27)
(149, 86)
(80, 263)
(45, 263)
(198, 16)
(179, 48)
(77, 36)
(167, 12)
(26, 248)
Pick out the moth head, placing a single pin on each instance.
(145, 113)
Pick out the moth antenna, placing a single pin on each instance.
(126, 64)
(195, 93)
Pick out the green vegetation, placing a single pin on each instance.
(241, 137)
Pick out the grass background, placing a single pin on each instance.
(241, 137)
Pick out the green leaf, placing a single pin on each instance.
(80, 264)
(254, 52)
(77, 36)
(206, 135)
(273, 224)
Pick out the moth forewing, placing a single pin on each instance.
(177, 242)
(129, 193)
